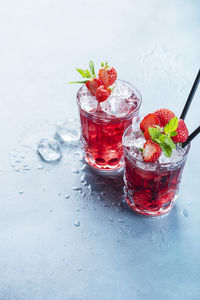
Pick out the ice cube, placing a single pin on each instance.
(134, 139)
(49, 150)
(122, 90)
(176, 155)
(87, 101)
(115, 106)
(68, 133)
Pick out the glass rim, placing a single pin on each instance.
(150, 163)
(128, 116)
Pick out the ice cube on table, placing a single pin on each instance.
(68, 133)
(49, 150)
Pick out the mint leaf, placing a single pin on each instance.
(173, 133)
(169, 142)
(166, 149)
(154, 133)
(82, 73)
(84, 81)
(171, 125)
(91, 65)
(88, 74)
(141, 149)
(102, 64)
(157, 141)
(162, 138)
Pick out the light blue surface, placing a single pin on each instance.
(113, 254)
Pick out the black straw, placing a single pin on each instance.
(190, 97)
(191, 136)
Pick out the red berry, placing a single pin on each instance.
(102, 93)
(182, 132)
(164, 115)
(147, 134)
(150, 119)
(92, 85)
(108, 76)
(151, 151)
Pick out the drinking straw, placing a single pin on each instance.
(191, 136)
(190, 97)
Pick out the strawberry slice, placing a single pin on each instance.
(164, 115)
(107, 76)
(92, 85)
(151, 151)
(182, 132)
(102, 93)
(148, 121)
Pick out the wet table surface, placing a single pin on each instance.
(65, 232)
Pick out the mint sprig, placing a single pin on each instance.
(88, 74)
(164, 138)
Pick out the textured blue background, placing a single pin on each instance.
(155, 45)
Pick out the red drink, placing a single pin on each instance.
(103, 124)
(151, 188)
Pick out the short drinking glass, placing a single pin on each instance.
(103, 124)
(151, 188)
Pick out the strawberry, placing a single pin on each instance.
(182, 133)
(102, 93)
(92, 85)
(164, 115)
(107, 75)
(151, 151)
(150, 119)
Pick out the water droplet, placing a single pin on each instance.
(39, 167)
(77, 188)
(121, 220)
(49, 150)
(77, 223)
(77, 209)
(94, 208)
(110, 219)
(79, 270)
(21, 192)
(83, 195)
(185, 213)
(76, 171)
(84, 167)
(67, 196)
(59, 194)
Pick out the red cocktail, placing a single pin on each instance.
(151, 178)
(103, 124)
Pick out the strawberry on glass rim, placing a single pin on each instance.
(162, 131)
(107, 75)
(98, 86)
